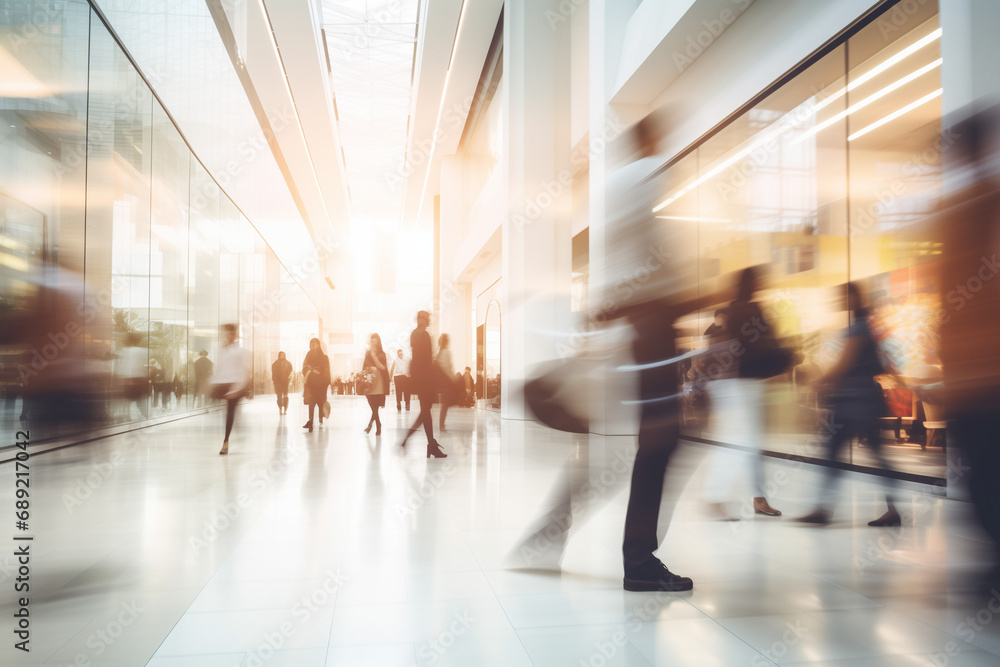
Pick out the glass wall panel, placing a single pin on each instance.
(43, 121)
(831, 178)
(118, 222)
(894, 147)
(231, 243)
(168, 288)
(203, 272)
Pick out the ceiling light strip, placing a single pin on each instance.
(773, 134)
(871, 98)
(896, 114)
(878, 69)
(913, 48)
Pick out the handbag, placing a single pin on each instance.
(557, 395)
(366, 381)
(763, 357)
(766, 361)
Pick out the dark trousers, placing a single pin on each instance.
(312, 408)
(659, 429)
(401, 393)
(425, 417)
(979, 437)
(854, 418)
(230, 415)
(282, 393)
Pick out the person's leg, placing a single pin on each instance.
(416, 424)
(378, 422)
(752, 395)
(371, 406)
(406, 392)
(426, 401)
(658, 435)
(230, 416)
(839, 431)
(872, 431)
(442, 416)
(398, 382)
(977, 435)
(726, 426)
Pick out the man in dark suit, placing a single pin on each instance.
(421, 383)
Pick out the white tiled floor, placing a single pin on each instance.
(339, 548)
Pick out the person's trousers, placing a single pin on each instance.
(230, 415)
(853, 418)
(737, 419)
(979, 437)
(282, 398)
(659, 429)
(425, 417)
(402, 395)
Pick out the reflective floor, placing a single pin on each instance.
(339, 548)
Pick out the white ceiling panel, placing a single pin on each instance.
(372, 46)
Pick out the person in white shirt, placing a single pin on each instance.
(447, 371)
(399, 371)
(232, 377)
(132, 374)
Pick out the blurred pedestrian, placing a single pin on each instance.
(132, 374)
(969, 226)
(281, 373)
(446, 380)
(316, 374)
(470, 388)
(400, 371)
(203, 368)
(232, 377)
(652, 305)
(376, 390)
(858, 405)
(735, 391)
(422, 381)
(718, 325)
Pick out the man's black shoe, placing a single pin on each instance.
(658, 579)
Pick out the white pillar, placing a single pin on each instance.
(537, 244)
(970, 52)
(608, 22)
(455, 304)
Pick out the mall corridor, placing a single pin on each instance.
(337, 548)
(583, 333)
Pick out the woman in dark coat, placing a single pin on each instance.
(375, 365)
(858, 406)
(316, 371)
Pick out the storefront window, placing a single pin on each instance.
(119, 254)
(830, 178)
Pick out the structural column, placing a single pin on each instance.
(536, 235)
(454, 301)
(608, 24)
